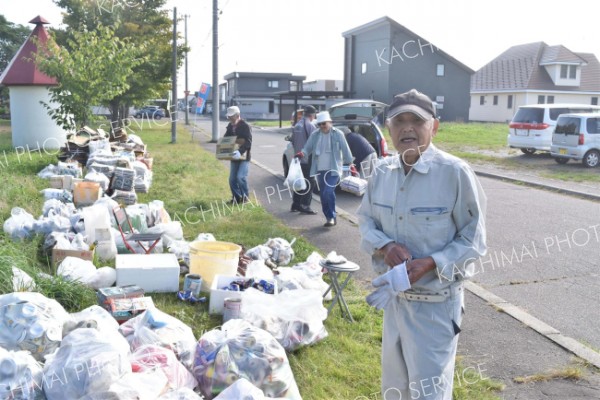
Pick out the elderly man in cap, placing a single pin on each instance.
(301, 200)
(240, 163)
(422, 220)
(330, 152)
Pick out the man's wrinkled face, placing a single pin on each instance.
(411, 135)
(325, 126)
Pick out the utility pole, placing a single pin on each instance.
(174, 81)
(215, 77)
(187, 92)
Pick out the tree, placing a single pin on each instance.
(93, 70)
(12, 36)
(144, 24)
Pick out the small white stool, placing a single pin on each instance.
(335, 271)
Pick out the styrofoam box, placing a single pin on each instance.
(151, 272)
(218, 296)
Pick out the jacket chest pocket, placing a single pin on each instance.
(428, 229)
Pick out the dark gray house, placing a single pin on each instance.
(382, 58)
(255, 92)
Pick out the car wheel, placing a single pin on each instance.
(157, 117)
(286, 167)
(561, 160)
(591, 159)
(528, 151)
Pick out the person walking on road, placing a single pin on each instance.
(330, 152)
(422, 220)
(301, 200)
(364, 154)
(240, 163)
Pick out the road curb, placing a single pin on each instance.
(537, 325)
(538, 185)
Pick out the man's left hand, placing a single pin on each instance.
(236, 155)
(416, 268)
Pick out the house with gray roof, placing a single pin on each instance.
(533, 73)
(383, 58)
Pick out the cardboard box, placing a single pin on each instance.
(218, 296)
(227, 145)
(117, 292)
(86, 193)
(60, 254)
(151, 272)
(124, 309)
(61, 182)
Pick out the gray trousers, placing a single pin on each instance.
(419, 346)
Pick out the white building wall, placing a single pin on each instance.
(30, 123)
(489, 112)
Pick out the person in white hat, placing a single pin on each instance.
(240, 163)
(330, 152)
(422, 219)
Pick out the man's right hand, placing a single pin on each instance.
(395, 253)
(299, 155)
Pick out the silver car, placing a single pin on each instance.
(577, 137)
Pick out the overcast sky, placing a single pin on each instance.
(305, 37)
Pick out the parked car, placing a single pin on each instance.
(532, 126)
(154, 112)
(577, 137)
(357, 116)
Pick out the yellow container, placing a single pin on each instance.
(208, 259)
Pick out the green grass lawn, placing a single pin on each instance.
(187, 179)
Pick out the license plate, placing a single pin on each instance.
(521, 132)
(562, 151)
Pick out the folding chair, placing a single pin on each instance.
(124, 224)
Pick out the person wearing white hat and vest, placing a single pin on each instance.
(330, 152)
(422, 220)
(238, 170)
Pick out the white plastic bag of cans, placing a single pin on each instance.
(294, 317)
(241, 350)
(20, 376)
(31, 322)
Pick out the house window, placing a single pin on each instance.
(481, 100)
(573, 72)
(564, 69)
(509, 102)
(540, 99)
(363, 68)
(293, 86)
(550, 99)
(439, 71)
(273, 84)
(594, 101)
(495, 100)
(271, 107)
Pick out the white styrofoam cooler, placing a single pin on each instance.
(218, 296)
(151, 272)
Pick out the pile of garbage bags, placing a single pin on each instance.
(47, 353)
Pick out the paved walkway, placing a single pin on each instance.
(498, 340)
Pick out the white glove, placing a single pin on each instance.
(236, 155)
(388, 286)
(396, 277)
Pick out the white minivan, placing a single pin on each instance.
(531, 128)
(577, 137)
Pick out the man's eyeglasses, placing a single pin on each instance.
(322, 123)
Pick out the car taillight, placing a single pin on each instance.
(527, 125)
(581, 139)
(384, 147)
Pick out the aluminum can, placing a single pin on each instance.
(192, 283)
(232, 308)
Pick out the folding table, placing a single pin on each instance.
(335, 271)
